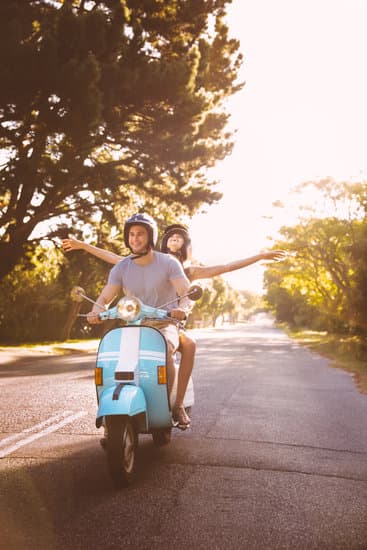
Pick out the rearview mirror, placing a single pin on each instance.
(77, 293)
(195, 292)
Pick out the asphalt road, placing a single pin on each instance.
(276, 457)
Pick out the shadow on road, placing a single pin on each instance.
(65, 502)
(51, 364)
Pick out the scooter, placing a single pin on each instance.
(131, 383)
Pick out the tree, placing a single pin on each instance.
(218, 300)
(106, 98)
(322, 284)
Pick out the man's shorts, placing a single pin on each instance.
(168, 329)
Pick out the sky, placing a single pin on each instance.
(301, 116)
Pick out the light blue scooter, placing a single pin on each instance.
(131, 383)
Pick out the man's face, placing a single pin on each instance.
(138, 239)
(175, 242)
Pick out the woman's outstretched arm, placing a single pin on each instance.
(206, 272)
(105, 255)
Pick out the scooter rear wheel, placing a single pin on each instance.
(121, 450)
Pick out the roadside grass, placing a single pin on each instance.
(346, 352)
(59, 348)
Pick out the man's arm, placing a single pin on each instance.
(74, 244)
(205, 272)
(181, 287)
(105, 298)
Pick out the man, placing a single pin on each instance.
(155, 278)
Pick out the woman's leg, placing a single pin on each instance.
(187, 348)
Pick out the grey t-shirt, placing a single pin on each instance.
(150, 283)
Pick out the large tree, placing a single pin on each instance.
(100, 96)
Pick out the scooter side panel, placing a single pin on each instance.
(153, 353)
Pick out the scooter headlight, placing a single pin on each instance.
(128, 308)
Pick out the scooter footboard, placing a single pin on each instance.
(121, 399)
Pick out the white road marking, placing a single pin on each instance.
(40, 432)
(34, 428)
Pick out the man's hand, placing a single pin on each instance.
(178, 314)
(93, 318)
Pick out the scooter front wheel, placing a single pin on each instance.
(121, 450)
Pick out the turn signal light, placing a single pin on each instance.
(98, 376)
(162, 374)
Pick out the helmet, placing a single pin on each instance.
(146, 221)
(178, 229)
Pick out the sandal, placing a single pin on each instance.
(180, 418)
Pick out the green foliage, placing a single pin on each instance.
(37, 301)
(219, 301)
(32, 303)
(322, 284)
(36, 296)
(101, 101)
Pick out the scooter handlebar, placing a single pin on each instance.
(130, 309)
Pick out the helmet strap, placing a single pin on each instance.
(135, 256)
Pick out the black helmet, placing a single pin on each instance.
(146, 221)
(178, 229)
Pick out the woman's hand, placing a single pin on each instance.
(275, 255)
(71, 244)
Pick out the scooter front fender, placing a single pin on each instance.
(121, 399)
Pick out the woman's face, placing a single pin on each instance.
(175, 242)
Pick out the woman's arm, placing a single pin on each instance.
(205, 272)
(105, 255)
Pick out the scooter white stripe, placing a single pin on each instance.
(152, 355)
(142, 355)
(42, 433)
(129, 351)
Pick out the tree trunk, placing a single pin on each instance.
(10, 256)
(73, 313)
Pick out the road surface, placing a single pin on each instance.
(276, 457)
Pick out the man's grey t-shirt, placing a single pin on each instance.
(150, 283)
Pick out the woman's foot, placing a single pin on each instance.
(180, 417)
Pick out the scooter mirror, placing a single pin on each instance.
(195, 292)
(77, 293)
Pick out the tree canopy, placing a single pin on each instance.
(323, 283)
(102, 100)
